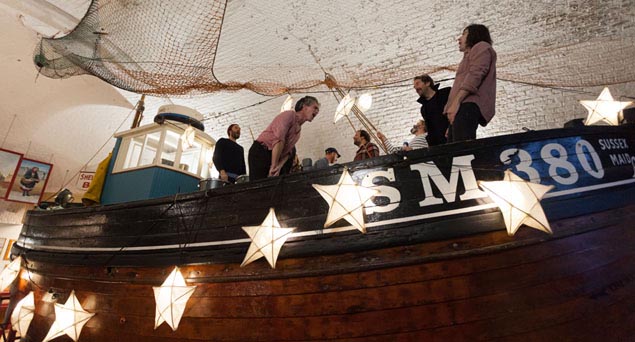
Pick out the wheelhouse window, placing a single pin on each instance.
(170, 148)
(162, 147)
(150, 148)
(191, 158)
(142, 150)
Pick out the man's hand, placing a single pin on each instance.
(381, 136)
(455, 102)
(274, 170)
(223, 175)
(451, 111)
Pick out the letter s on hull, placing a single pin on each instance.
(384, 191)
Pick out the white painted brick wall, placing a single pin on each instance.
(519, 30)
(571, 43)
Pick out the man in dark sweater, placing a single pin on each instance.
(432, 102)
(229, 157)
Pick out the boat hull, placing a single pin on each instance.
(435, 263)
(576, 285)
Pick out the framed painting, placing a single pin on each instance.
(30, 181)
(9, 162)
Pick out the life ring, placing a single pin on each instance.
(179, 113)
(160, 119)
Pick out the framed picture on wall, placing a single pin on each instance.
(9, 162)
(30, 181)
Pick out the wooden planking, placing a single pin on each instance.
(572, 255)
(433, 317)
(566, 278)
(444, 309)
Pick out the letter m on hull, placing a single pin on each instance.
(460, 166)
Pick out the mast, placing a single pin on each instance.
(138, 116)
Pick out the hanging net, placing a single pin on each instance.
(180, 47)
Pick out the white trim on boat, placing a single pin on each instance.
(246, 240)
(319, 231)
(588, 188)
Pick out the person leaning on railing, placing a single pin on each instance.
(276, 144)
(419, 141)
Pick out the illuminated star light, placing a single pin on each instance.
(604, 110)
(344, 107)
(171, 298)
(10, 272)
(266, 240)
(519, 202)
(69, 319)
(346, 201)
(364, 102)
(22, 314)
(287, 104)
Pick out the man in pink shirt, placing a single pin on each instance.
(276, 144)
(473, 96)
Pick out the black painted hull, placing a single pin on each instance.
(205, 227)
(435, 263)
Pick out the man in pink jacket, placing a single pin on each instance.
(473, 96)
(276, 144)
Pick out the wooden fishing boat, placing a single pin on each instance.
(436, 262)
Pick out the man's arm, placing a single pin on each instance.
(453, 105)
(280, 127)
(480, 60)
(389, 146)
(276, 163)
(217, 159)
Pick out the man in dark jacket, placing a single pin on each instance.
(229, 157)
(432, 102)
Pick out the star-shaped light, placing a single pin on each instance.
(344, 107)
(287, 104)
(604, 110)
(266, 240)
(22, 314)
(69, 319)
(171, 298)
(519, 202)
(9, 273)
(346, 201)
(364, 102)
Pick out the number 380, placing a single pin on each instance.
(560, 169)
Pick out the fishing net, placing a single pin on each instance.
(194, 47)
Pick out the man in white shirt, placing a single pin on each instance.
(419, 141)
